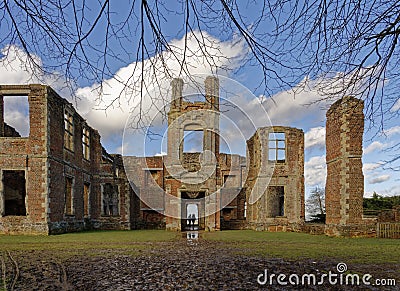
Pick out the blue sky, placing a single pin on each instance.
(283, 105)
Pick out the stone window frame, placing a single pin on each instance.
(86, 145)
(71, 210)
(118, 196)
(69, 129)
(3, 99)
(276, 148)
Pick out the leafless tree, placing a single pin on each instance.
(354, 43)
(315, 203)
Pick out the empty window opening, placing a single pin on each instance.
(16, 116)
(86, 197)
(69, 205)
(194, 98)
(110, 200)
(151, 177)
(276, 147)
(229, 181)
(86, 143)
(193, 141)
(69, 130)
(14, 189)
(276, 195)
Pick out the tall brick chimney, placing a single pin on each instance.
(344, 188)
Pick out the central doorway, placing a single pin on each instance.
(193, 210)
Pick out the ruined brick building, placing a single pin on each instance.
(59, 178)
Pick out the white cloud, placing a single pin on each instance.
(391, 191)
(393, 130)
(368, 167)
(315, 137)
(108, 109)
(16, 111)
(379, 179)
(121, 97)
(315, 171)
(374, 146)
(396, 106)
(17, 68)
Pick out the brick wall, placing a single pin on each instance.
(264, 175)
(345, 181)
(27, 154)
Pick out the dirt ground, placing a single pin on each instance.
(185, 264)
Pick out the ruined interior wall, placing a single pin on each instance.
(152, 203)
(232, 171)
(264, 174)
(48, 163)
(345, 180)
(27, 154)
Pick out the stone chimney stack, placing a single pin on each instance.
(177, 87)
(212, 92)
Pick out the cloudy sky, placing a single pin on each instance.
(111, 115)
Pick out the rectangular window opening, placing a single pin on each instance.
(14, 191)
(277, 147)
(68, 130)
(110, 200)
(16, 116)
(69, 182)
(195, 98)
(151, 177)
(86, 143)
(193, 141)
(276, 200)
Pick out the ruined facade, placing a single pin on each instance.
(193, 182)
(276, 179)
(58, 177)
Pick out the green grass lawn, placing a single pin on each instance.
(270, 244)
(86, 243)
(291, 245)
